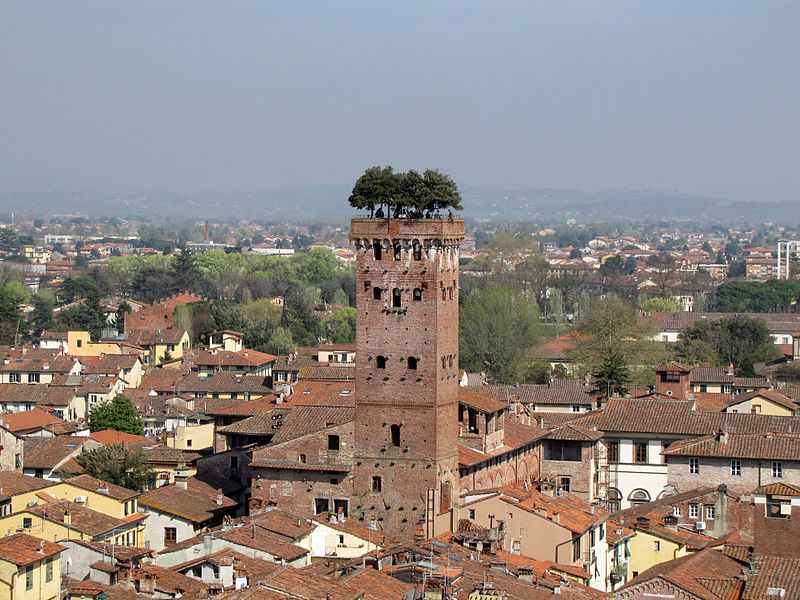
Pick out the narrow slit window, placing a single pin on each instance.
(396, 297)
(376, 484)
(417, 251)
(395, 432)
(377, 250)
(444, 293)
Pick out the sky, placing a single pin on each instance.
(695, 96)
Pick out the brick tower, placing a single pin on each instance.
(405, 469)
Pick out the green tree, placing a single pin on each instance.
(613, 333)
(118, 414)
(341, 326)
(41, 317)
(184, 270)
(497, 325)
(122, 310)
(660, 305)
(280, 342)
(118, 466)
(165, 357)
(611, 376)
(740, 341)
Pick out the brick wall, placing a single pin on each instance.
(714, 471)
(415, 316)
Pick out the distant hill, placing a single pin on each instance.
(325, 202)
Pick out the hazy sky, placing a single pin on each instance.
(695, 96)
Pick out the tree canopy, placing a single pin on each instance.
(497, 325)
(407, 194)
(773, 295)
(114, 464)
(118, 414)
(740, 341)
(616, 344)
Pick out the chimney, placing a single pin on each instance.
(722, 436)
(67, 518)
(219, 497)
(729, 371)
(341, 515)
(181, 476)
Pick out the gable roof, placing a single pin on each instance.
(689, 572)
(479, 401)
(772, 572)
(677, 417)
(14, 482)
(771, 395)
(26, 421)
(47, 453)
(22, 549)
(92, 484)
(191, 504)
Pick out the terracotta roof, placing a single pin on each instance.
(84, 520)
(14, 482)
(20, 423)
(485, 404)
(250, 408)
(92, 589)
(284, 524)
(375, 585)
(772, 572)
(59, 364)
(677, 417)
(257, 570)
(517, 434)
(772, 396)
(92, 484)
(778, 489)
(46, 453)
(264, 424)
(191, 504)
(226, 358)
(753, 445)
(557, 348)
(574, 513)
(303, 420)
(22, 549)
(167, 581)
(109, 436)
(553, 394)
(688, 571)
(711, 375)
(327, 372)
(42, 394)
(574, 433)
(322, 393)
(222, 382)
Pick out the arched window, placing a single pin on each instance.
(639, 497)
(444, 362)
(303, 458)
(398, 251)
(412, 363)
(417, 294)
(376, 484)
(395, 433)
(396, 297)
(614, 499)
(450, 361)
(417, 250)
(444, 293)
(377, 249)
(380, 362)
(451, 292)
(376, 293)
